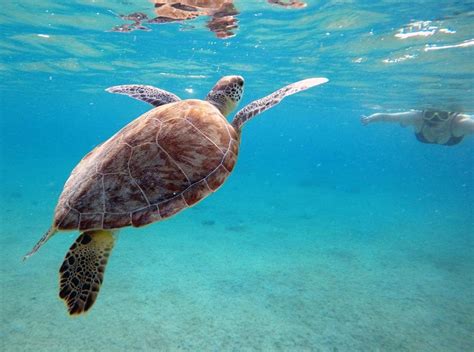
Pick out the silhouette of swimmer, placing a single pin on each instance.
(430, 126)
(222, 13)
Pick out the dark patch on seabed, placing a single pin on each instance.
(208, 222)
(236, 228)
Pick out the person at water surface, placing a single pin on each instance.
(430, 126)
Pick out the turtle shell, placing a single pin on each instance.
(161, 163)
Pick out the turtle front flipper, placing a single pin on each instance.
(82, 272)
(258, 106)
(149, 94)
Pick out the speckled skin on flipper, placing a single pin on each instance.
(161, 163)
(152, 95)
(82, 271)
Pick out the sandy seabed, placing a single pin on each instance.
(306, 268)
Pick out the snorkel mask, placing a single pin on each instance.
(436, 116)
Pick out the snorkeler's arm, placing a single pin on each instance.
(464, 126)
(404, 118)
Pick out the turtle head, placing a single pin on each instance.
(226, 94)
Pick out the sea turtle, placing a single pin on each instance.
(165, 161)
(222, 13)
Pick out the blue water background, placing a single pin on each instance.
(328, 236)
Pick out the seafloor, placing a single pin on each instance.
(286, 266)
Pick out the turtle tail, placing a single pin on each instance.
(51, 231)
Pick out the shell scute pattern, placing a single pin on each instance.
(89, 197)
(157, 176)
(113, 221)
(143, 132)
(193, 153)
(210, 130)
(122, 194)
(229, 161)
(170, 111)
(170, 207)
(66, 218)
(91, 221)
(146, 216)
(234, 146)
(197, 192)
(117, 164)
(217, 178)
(166, 160)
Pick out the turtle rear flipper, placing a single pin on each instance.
(82, 272)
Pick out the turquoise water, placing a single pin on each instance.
(328, 235)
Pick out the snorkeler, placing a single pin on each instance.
(431, 126)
